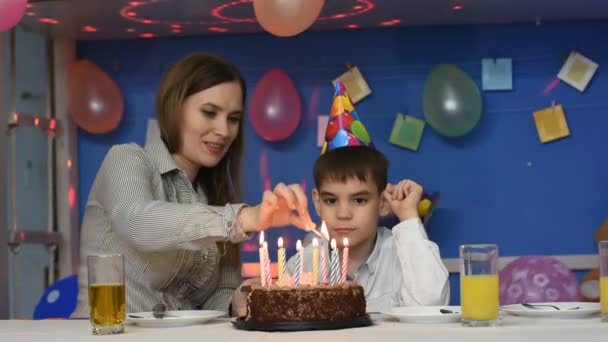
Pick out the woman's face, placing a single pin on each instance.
(210, 121)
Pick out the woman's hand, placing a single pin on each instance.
(283, 206)
(239, 298)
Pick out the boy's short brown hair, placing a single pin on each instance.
(358, 162)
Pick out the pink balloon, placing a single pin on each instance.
(11, 12)
(275, 108)
(536, 279)
(286, 18)
(95, 104)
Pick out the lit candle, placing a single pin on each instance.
(334, 269)
(299, 262)
(344, 260)
(281, 257)
(262, 261)
(324, 253)
(315, 261)
(267, 265)
(262, 264)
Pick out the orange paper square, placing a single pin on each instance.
(551, 124)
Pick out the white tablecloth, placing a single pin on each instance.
(512, 329)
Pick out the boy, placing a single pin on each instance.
(398, 267)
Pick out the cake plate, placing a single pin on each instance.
(241, 324)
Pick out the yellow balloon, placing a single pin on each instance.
(424, 206)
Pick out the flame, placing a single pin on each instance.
(315, 242)
(324, 230)
(280, 242)
(261, 238)
(345, 242)
(333, 244)
(299, 245)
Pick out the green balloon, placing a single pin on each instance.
(452, 101)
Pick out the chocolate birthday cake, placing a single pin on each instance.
(306, 303)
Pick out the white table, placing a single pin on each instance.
(512, 329)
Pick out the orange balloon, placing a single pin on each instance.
(95, 104)
(287, 18)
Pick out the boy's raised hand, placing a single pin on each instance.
(403, 198)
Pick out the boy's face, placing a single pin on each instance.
(350, 209)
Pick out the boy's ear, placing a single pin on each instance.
(316, 200)
(385, 207)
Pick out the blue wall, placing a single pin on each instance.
(499, 184)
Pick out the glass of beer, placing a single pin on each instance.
(479, 289)
(107, 302)
(603, 253)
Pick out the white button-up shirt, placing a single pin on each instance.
(403, 269)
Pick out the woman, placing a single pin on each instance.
(167, 208)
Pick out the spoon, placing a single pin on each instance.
(538, 306)
(446, 311)
(135, 316)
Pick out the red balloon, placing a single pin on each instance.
(11, 12)
(95, 104)
(275, 108)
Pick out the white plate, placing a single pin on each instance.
(174, 318)
(566, 310)
(425, 314)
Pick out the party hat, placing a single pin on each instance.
(344, 127)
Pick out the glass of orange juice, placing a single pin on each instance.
(603, 252)
(479, 290)
(107, 299)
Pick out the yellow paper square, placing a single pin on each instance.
(577, 71)
(350, 80)
(355, 84)
(551, 124)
